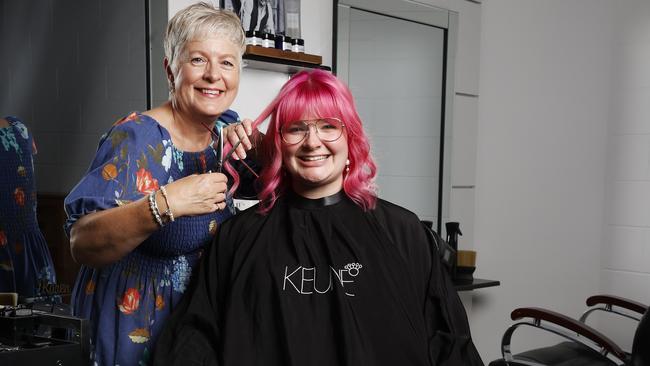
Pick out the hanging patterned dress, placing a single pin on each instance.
(25, 261)
(128, 301)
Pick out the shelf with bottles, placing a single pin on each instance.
(271, 59)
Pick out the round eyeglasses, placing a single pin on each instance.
(328, 129)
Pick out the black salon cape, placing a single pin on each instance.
(319, 282)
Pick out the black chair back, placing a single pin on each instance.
(446, 253)
(640, 349)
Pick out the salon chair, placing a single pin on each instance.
(585, 345)
(445, 251)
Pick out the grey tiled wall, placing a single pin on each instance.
(69, 69)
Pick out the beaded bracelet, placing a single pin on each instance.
(153, 206)
(167, 213)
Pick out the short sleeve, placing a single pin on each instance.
(228, 117)
(21, 133)
(24, 133)
(123, 170)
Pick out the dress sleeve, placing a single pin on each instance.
(191, 334)
(228, 117)
(124, 169)
(450, 341)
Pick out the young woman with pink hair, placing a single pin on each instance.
(321, 272)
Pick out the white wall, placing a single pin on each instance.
(555, 76)
(541, 148)
(625, 268)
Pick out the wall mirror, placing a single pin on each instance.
(398, 59)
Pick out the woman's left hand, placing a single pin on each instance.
(240, 132)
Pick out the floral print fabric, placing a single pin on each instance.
(128, 301)
(25, 262)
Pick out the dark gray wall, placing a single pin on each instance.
(69, 69)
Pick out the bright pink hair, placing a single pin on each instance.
(315, 93)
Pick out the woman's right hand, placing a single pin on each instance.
(240, 132)
(197, 194)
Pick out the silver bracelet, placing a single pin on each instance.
(153, 206)
(168, 212)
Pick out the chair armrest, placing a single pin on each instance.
(539, 314)
(622, 302)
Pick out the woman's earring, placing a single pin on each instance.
(347, 166)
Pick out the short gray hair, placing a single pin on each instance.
(199, 21)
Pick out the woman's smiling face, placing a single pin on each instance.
(316, 166)
(207, 77)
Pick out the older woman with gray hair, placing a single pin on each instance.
(154, 194)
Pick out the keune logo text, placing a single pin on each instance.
(320, 280)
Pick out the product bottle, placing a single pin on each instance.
(268, 40)
(250, 38)
(298, 45)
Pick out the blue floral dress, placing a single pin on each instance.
(127, 302)
(25, 262)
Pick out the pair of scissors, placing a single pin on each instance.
(222, 158)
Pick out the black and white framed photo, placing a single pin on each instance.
(270, 16)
